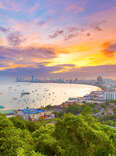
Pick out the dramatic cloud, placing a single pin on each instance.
(56, 34)
(107, 71)
(98, 25)
(98, 28)
(75, 31)
(15, 38)
(13, 57)
(41, 71)
(4, 30)
(70, 36)
(67, 34)
(110, 49)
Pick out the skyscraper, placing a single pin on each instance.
(33, 79)
(99, 80)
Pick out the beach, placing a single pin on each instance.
(35, 95)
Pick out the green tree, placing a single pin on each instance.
(74, 109)
(87, 110)
(11, 139)
(5, 122)
(83, 136)
(19, 122)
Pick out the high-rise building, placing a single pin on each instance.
(99, 80)
(75, 80)
(33, 79)
(109, 95)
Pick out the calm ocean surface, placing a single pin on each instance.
(40, 94)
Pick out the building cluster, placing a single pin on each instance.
(109, 87)
(35, 114)
(58, 80)
(105, 83)
(107, 93)
(93, 97)
(31, 114)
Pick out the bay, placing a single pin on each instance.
(18, 95)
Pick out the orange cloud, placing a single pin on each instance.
(109, 49)
(13, 66)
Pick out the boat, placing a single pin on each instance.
(24, 93)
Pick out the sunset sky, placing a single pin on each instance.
(58, 38)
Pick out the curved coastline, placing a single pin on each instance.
(42, 94)
(100, 87)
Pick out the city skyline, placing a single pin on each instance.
(58, 38)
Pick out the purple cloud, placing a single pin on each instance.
(68, 33)
(98, 25)
(88, 34)
(112, 48)
(42, 71)
(98, 28)
(70, 36)
(15, 38)
(4, 30)
(26, 56)
(56, 34)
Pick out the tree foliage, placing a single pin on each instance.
(71, 135)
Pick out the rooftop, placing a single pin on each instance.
(32, 111)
